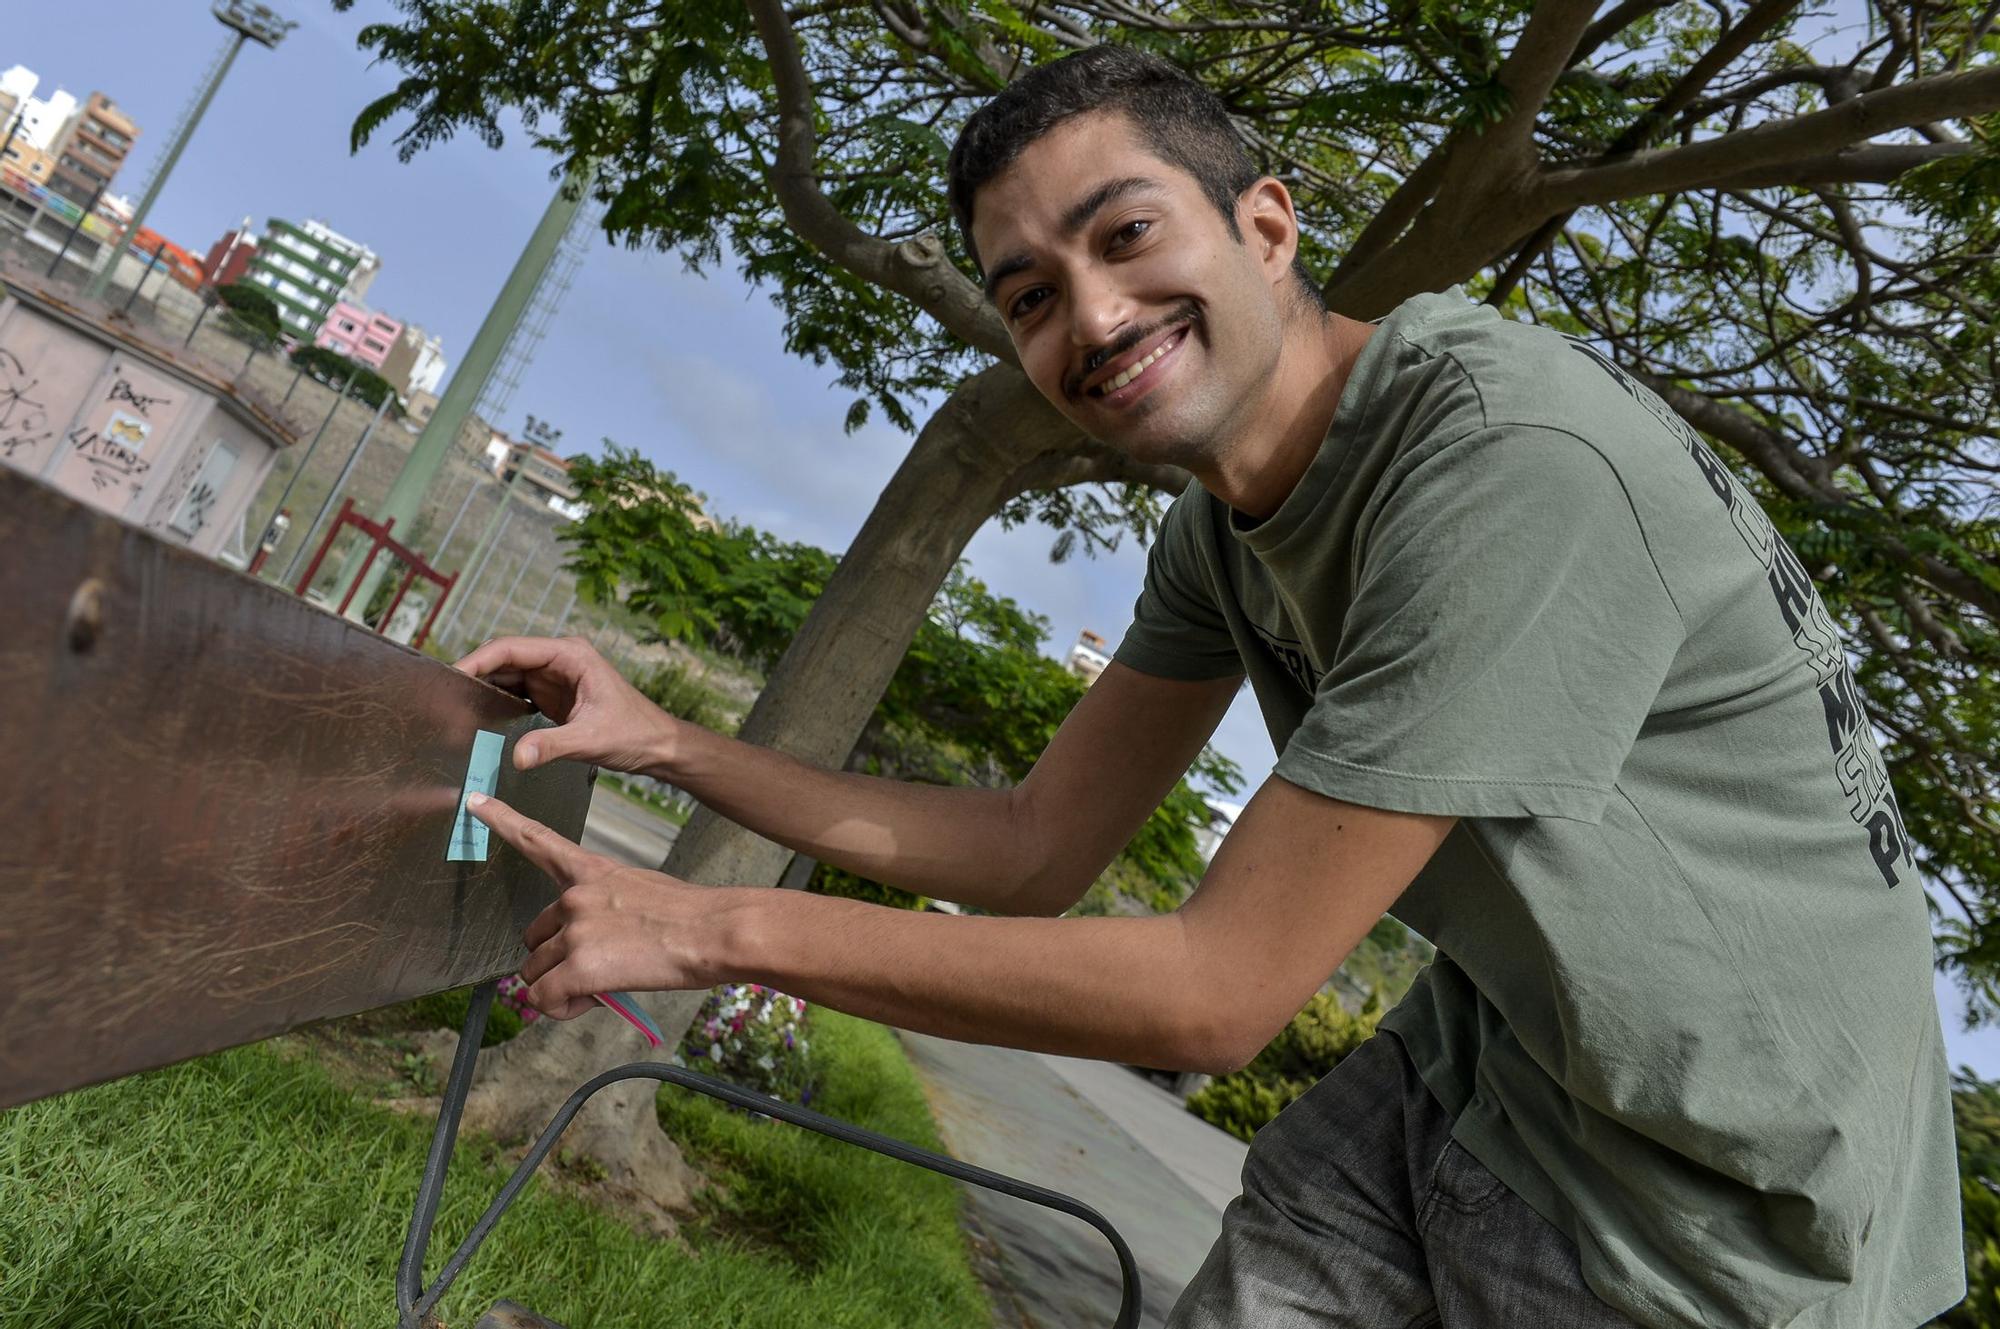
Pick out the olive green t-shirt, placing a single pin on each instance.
(1682, 1002)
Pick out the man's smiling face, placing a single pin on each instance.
(1134, 306)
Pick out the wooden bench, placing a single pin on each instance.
(227, 809)
(228, 812)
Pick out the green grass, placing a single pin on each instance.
(249, 1188)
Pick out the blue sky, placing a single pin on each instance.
(691, 371)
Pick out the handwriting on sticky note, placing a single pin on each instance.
(482, 776)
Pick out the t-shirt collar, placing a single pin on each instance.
(1371, 366)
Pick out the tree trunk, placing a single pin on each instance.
(967, 460)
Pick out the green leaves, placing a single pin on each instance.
(1962, 190)
(974, 700)
(1843, 324)
(1975, 1110)
(1318, 1038)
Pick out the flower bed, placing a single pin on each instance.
(755, 1037)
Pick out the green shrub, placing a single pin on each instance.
(446, 1010)
(677, 691)
(829, 880)
(1316, 1041)
(330, 367)
(1975, 1109)
(250, 310)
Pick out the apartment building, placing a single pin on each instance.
(543, 474)
(1089, 657)
(360, 334)
(90, 150)
(35, 121)
(228, 259)
(309, 268)
(23, 164)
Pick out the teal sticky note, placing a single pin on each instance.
(482, 776)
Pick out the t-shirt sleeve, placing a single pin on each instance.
(1177, 631)
(1508, 636)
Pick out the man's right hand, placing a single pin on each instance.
(600, 718)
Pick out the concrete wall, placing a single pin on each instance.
(114, 429)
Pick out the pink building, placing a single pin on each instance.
(359, 334)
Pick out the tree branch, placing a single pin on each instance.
(1475, 157)
(1761, 17)
(1773, 145)
(917, 269)
(1868, 164)
(1091, 462)
(1417, 189)
(1784, 467)
(1529, 71)
(1615, 20)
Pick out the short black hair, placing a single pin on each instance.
(1183, 123)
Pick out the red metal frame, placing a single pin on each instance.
(379, 537)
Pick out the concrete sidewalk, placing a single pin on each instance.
(1100, 1134)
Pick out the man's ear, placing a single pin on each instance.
(1265, 220)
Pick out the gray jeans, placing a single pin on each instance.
(1359, 1211)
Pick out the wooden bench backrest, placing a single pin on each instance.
(223, 811)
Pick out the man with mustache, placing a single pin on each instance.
(1542, 680)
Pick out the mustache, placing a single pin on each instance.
(1187, 312)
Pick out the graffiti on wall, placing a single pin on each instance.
(24, 421)
(111, 450)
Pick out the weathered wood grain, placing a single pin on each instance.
(223, 811)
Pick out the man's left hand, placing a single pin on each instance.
(614, 927)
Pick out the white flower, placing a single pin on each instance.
(715, 1052)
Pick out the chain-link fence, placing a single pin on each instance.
(343, 448)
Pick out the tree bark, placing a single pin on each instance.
(991, 435)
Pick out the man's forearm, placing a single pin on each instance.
(963, 845)
(1117, 989)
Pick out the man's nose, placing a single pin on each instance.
(1099, 311)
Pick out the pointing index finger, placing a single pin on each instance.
(561, 858)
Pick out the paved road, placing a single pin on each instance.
(624, 830)
(1075, 1127)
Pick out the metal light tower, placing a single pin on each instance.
(250, 21)
(524, 285)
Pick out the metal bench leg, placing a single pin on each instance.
(415, 1300)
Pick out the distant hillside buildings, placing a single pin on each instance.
(1088, 658)
(58, 155)
(74, 150)
(308, 268)
(318, 277)
(543, 474)
(402, 353)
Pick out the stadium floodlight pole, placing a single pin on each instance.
(468, 381)
(250, 22)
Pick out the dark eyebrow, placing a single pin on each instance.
(1075, 219)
